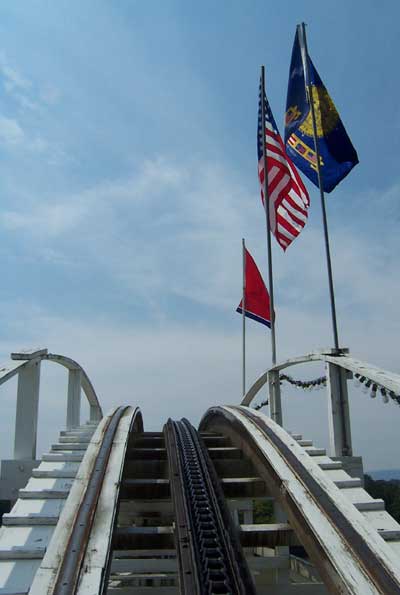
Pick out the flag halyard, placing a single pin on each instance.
(288, 197)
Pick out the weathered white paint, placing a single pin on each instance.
(389, 380)
(16, 578)
(25, 356)
(87, 387)
(27, 411)
(27, 529)
(48, 569)
(74, 398)
(97, 552)
(28, 354)
(275, 396)
(40, 511)
(24, 542)
(44, 580)
(338, 368)
(26, 364)
(339, 414)
(346, 565)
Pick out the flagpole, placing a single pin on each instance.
(244, 316)
(304, 53)
(273, 376)
(267, 218)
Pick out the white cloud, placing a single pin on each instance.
(165, 232)
(13, 80)
(18, 131)
(11, 133)
(51, 220)
(26, 94)
(186, 230)
(14, 137)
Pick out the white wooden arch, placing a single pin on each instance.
(26, 364)
(338, 367)
(388, 380)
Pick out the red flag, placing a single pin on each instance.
(256, 295)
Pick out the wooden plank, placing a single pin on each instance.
(336, 562)
(271, 535)
(47, 572)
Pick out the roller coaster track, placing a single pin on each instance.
(112, 509)
(209, 553)
(345, 548)
(147, 512)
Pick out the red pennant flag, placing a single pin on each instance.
(256, 295)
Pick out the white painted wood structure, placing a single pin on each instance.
(27, 366)
(36, 533)
(366, 516)
(97, 553)
(339, 368)
(27, 529)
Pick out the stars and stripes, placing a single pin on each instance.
(288, 197)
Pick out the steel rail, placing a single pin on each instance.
(68, 576)
(203, 523)
(362, 550)
(379, 574)
(136, 424)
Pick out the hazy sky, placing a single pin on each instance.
(128, 176)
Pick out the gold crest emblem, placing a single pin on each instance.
(326, 114)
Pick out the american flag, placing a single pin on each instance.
(288, 197)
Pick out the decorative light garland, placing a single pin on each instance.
(372, 387)
(257, 407)
(317, 383)
(306, 384)
(367, 386)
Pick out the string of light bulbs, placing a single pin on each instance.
(257, 407)
(370, 386)
(317, 383)
(305, 384)
(367, 385)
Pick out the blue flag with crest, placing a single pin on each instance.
(337, 154)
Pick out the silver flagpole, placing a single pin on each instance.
(342, 405)
(273, 376)
(244, 315)
(304, 53)
(267, 217)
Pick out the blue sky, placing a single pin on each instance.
(128, 178)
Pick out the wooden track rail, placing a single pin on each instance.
(349, 554)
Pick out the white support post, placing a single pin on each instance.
(339, 415)
(275, 396)
(27, 411)
(95, 413)
(74, 398)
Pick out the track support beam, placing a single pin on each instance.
(339, 414)
(74, 398)
(27, 411)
